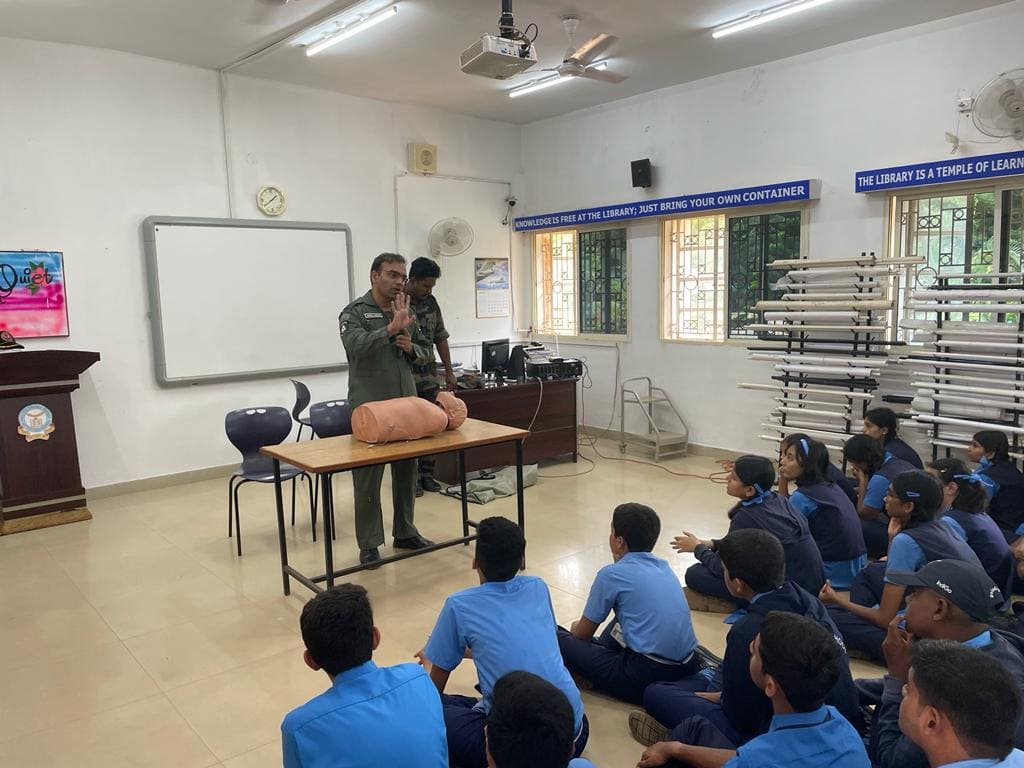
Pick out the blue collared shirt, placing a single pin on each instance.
(822, 738)
(509, 625)
(1013, 760)
(649, 605)
(370, 716)
(878, 486)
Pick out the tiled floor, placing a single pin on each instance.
(140, 639)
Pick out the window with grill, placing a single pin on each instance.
(581, 282)
(715, 269)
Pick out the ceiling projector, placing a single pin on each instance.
(498, 58)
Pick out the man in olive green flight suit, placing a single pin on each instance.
(382, 342)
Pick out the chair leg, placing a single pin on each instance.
(298, 433)
(231, 487)
(238, 524)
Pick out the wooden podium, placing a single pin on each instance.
(40, 480)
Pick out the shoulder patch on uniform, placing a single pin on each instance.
(373, 315)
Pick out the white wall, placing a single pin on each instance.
(882, 101)
(93, 141)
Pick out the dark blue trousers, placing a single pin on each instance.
(876, 536)
(674, 704)
(615, 670)
(700, 732)
(700, 578)
(857, 633)
(467, 747)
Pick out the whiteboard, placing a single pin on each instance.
(237, 299)
(425, 200)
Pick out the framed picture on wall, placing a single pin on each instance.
(32, 299)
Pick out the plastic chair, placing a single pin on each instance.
(302, 398)
(330, 419)
(249, 429)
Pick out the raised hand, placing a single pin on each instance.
(401, 317)
(686, 542)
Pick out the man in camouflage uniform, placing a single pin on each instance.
(382, 342)
(423, 276)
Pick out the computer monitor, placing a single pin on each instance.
(494, 356)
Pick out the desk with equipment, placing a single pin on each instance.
(524, 387)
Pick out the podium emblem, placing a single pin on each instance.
(35, 422)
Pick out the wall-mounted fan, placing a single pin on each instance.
(998, 109)
(450, 237)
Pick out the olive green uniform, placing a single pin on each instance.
(379, 370)
(428, 383)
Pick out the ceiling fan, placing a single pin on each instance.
(266, 12)
(579, 61)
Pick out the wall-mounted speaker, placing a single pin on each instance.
(641, 170)
(423, 158)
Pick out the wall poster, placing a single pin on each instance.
(492, 287)
(32, 299)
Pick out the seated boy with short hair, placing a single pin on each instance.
(507, 622)
(796, 662)
(530, 725)
(651, 638)
(370, 716)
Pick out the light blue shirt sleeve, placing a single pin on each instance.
(290, 750)
(804, 504)
(874, 496)
(602, 597)
(446, 646)
(957, 528)
(905, 554)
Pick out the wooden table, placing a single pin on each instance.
(340, 454)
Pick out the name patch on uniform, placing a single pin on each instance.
(374, 315)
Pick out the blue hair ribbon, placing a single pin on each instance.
(975, 477)
(805, 446)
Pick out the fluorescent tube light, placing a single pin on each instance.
(547, 82)
(758, 18)
(352, 29)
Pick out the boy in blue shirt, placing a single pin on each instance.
(796, 662)
(507, 623)
(370, 716)
(530, 725)
(961, 707)
(651, 638)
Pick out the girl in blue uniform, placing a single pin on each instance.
(830, 514)
(832, 473)
(881, 424)
(874, 471)
(918, 537)
(965, 498)
(991, 450)
(758, 506)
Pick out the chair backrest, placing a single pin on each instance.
(331, 418)
(302, 398)
(249, 429)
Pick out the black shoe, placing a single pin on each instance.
(413, 542)
(370, 555)
(419, 490)
(430, 484)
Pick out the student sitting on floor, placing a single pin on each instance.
(830, 514)
(949, 600)
(370, 716)
(795, 662)
(964, 501)
(651, 637)
(918, 537)
(530, 725)
(754, 566)
(881, 424)
(961, 707)
(1006, 493)
(873, 470)
(507, 623)
(832, 473)
(750, 481)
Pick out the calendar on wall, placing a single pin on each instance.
(492, 287)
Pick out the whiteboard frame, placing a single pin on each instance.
(149, 225)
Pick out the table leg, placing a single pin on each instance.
(282, 544)
(327, 514)
(519, 485)
(465, 498)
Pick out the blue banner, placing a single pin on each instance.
(942, 172)
(788, 191)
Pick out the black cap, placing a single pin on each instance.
(964, 584)
(7, 341)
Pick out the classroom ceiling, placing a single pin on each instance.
(415, 57)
